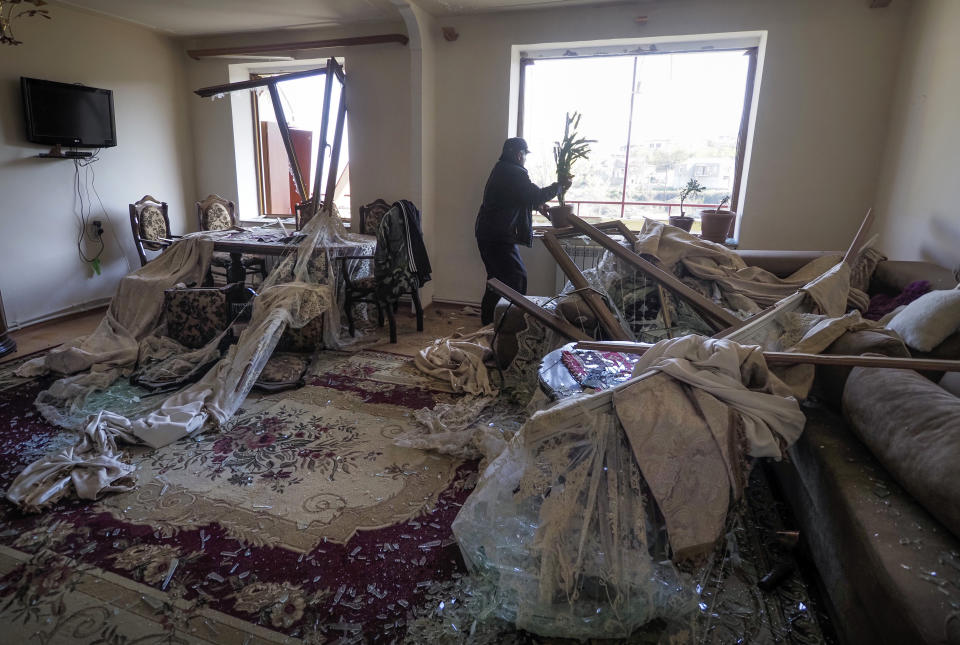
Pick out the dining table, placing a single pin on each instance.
(271, 241)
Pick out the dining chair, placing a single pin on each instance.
(391, 277)
(150, 225)
(214, 213)
(370, 216)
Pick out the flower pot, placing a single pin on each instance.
(560, 215)
(715, 225)
(681, 221)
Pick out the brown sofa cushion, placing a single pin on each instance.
(870, 540)
(832, 379)
(912, 426)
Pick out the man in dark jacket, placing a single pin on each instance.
(506, 219)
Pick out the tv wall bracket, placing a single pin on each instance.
(57, 152)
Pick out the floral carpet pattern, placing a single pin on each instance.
(300, 522)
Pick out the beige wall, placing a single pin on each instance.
(40, 271)
(378, 104)
(823, 110)
(917, 202)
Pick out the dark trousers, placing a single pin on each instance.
(502, 262)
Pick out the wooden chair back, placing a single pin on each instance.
(150, 225)
(303, 213)
(215, 213)
(370, 216)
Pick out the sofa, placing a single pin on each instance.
(874, 484)
(874, 481)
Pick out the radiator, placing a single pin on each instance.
(585, 256)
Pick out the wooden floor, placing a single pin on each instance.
(439, 320)
(53, 332)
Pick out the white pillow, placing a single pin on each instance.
(927, 321)
(951, 383)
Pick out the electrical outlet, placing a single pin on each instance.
(96, 229)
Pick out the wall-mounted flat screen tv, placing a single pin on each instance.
(68, 115)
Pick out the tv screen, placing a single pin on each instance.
(70, 115)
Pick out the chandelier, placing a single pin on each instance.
(10, 10)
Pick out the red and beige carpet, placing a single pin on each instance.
(300, 521)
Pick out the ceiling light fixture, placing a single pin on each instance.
(7, 16)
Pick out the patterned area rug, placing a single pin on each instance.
(300, 521)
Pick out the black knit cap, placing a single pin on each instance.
(514, 145)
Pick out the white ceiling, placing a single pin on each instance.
(196, 17)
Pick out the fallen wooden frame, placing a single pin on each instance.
(797, 358)
(794, 300)
(551, 320)
(551, 239)
(333, 69)
(614, 226)
(715, 315)
(593, 299)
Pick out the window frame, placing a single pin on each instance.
(258, 152)
(752, 52)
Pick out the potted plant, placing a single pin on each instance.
(715, 222)
(565, 153)
(692, 188)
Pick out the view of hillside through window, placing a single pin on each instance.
(687, 109)
(302, 100)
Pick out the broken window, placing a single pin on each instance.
(659, 119)
(301, 99)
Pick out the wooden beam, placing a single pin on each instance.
(551, 320)
(335, 151)
(607, 227)
(213, 90)
(322, 143)
(294, 46)
(796, 358)
(744, 128)
(625, 231)
(288, 142)
(596, 304)
(717, 315)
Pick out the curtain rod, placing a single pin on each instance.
(308, 44)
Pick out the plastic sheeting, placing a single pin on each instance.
(576, 551)
(576, 522)
(301, 287)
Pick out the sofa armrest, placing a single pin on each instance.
(892, 276)
(782, 263)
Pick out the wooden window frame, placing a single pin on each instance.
(749, 85)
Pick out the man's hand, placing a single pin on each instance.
(544, 210)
